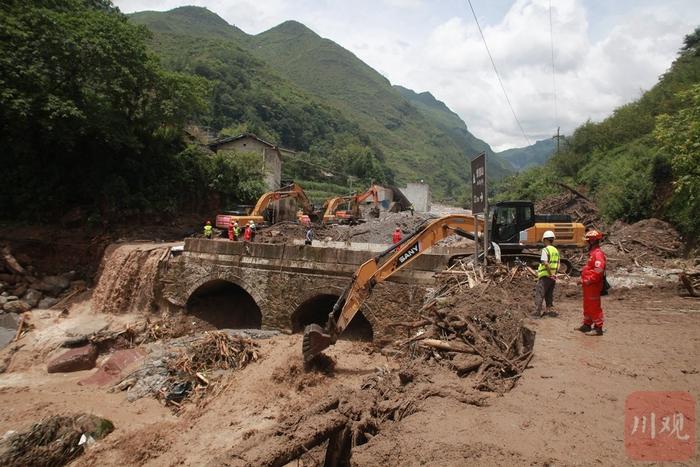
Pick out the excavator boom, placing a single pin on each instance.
(377, 270)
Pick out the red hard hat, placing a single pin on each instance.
(593, 235)
(208, 222)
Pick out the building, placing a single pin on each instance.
(270, 154)
(419, 196)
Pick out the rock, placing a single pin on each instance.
(47, 302)
(87, 328)
(59, 282)
(46, 288)
(11, 298)
(4, 294)
(17, 306)
(80, 358)
(32, 297)
(20, 290)
(3, 300)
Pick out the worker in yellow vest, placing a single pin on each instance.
(546, 276)
(208, 230)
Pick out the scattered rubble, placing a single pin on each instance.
(54, 441)
(177, 369)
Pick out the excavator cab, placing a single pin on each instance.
(508, 219)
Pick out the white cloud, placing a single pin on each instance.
(425, 48)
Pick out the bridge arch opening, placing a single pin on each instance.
(316, 310)
(224, 305)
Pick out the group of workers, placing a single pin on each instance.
(234, 231)
(592, 280)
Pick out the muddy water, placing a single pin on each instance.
(128, 279)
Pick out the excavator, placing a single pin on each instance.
(379, 269)
(514, 225)
(257, 214)
(332, 214)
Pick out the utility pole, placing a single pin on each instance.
(557, 136)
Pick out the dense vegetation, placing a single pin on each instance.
(643, 160)
(92, 120)
(346, 120)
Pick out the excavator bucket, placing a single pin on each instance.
(316, 339)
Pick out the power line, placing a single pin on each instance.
(493, 63)
(554, 79)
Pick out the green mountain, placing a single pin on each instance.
(529, 156)
(376, 130)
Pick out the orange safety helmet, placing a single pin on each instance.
(593, 235)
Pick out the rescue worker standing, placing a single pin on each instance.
(592, 279)
(208, 230)
(309, 235)
(546, 275)
(236, 231)
(247, 233)
(396, 236)
(231, 230)
(253, 231)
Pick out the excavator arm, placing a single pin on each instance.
(379, 269)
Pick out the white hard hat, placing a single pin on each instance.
(548, 234)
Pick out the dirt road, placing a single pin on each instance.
(567, 409)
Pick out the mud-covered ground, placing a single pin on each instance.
(567, 408)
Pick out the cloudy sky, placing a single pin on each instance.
(605, 52)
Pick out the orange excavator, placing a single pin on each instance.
(332, 214)
(379, 269)
(257, 214)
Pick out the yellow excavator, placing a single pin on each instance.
(332, 213)
(377, 270)
(515, 228)
(294, 191)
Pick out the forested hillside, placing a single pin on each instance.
(370, 125)
(643, 160)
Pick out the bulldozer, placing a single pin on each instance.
(515, 228)
(257, 214)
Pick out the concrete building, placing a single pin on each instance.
(419, 196)
(270, 154)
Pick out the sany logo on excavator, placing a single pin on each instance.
(409, 254)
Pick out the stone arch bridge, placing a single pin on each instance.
(282, 286)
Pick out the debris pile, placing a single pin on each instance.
(474, 324)
(328, 432)
(177, 369)
(54, 441)
(572, 203)
(647, 242)
(22, 288)
(378, 230)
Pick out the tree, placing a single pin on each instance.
(679, 136)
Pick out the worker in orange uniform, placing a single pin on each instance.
(396, 236)
(592, 280)
(231, 230)
(247, 233)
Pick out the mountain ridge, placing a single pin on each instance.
(419, 136)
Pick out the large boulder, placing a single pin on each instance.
(61, 282)
(32, 297)
(3, 300)
(16, 306)
(47, 302)
(77, 359)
